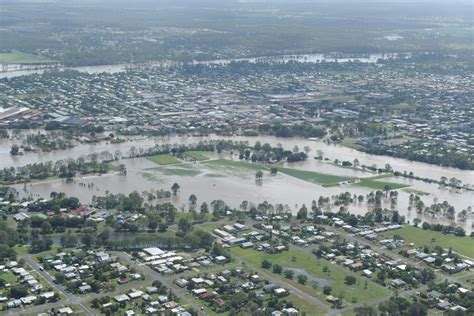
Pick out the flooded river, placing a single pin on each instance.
(15, 70)
(211, 183)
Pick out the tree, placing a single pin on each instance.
(259, 175)
(15, 150)
(184, 225)
(327, 290)
(350, 280)
(46, 228)
(416, 222)
(289, 274)
(88, 239)
(18, 291)
(175, 188)
(320, 154)
(277, 269)
(266, 264)
(204, 208)
(356, 163)
(365, 311)
(192, 199)
(302, 213)
(302, 279)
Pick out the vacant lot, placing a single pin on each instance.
(197, 155)
(299, 260)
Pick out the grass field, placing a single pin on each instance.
(198, 155)
(421, 237)
(379, 185)
(350, 143)
(16, 57)
(297, 259)
(164, 159)
(326, 180)
(8, 277)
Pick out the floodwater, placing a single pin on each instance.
(14, 70)
(211, 183)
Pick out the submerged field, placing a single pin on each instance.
(225, 167)
(164, 159)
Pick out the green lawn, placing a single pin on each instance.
(21, 250)
(164, 159)
(16, 57)
(421, 237)
(326, 180)
(198, 155)
(8, 277)
(210, 226)
(297, 259)
(350, 143)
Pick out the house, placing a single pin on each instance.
(181, 282)
(135, 294)
(102, 257)
(398, 283)
(28, 300)
(151, 289)
(279, 292)
(85, 289)
(220, 259)
(429, 260)
(291, 311)
(246, 245)
(199, 292)
(240, 227)
(20, 217)
(443, 305)
(121, 298)
(65, 311)
(14, 303)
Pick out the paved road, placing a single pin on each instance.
(152, 275)
(71, 298)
